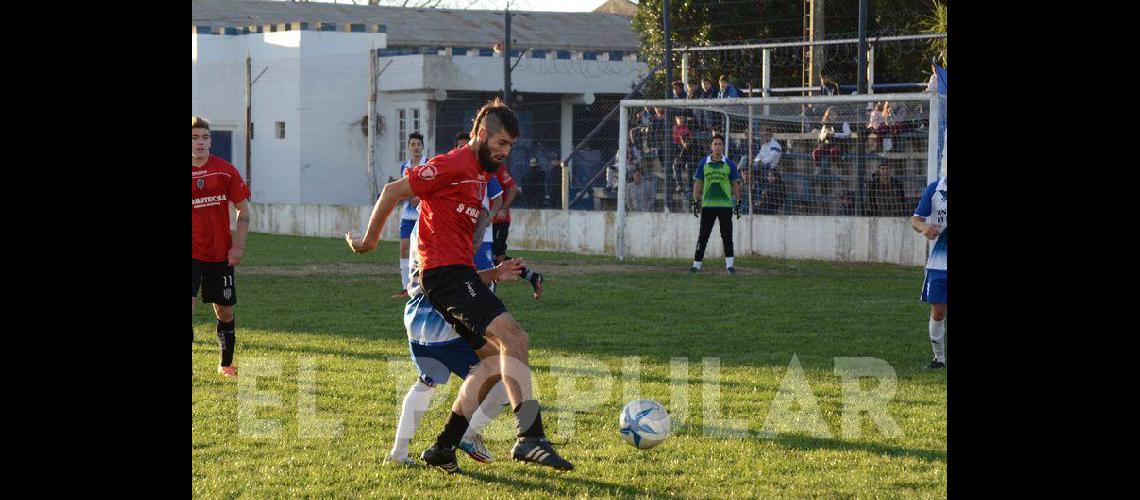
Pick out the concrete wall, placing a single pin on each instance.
(838, 239)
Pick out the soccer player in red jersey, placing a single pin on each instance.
(501, 225)
(215, 183)
(501, 220)
(450, 187)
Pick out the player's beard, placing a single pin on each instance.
(484, 154)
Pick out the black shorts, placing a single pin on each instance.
(216, 279)
(460, 296)
(499, 234)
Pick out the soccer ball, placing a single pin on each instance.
(644, 423)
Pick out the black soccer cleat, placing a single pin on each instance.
(443, 458)
(936, 365)
(538, 450)
(536, 283)
(731, 271)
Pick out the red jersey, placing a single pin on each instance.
(507, 182)
(450, 187)
(212, 186)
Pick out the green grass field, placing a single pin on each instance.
(308, 303)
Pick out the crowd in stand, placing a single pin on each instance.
(668, 143)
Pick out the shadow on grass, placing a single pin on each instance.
(809, 443)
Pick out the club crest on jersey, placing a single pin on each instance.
(201, 183)
(427, 173)
(227, 293)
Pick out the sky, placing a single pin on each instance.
(535, 5)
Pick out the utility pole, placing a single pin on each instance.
(668, 34)
(668, 52)
(507, 56)
(373, 75)
(861, 88)
(862, 64)
(248, 119)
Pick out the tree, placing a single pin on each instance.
(709, 22)
(936, 23)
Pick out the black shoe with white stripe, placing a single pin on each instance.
(538, 450)
(441, 457)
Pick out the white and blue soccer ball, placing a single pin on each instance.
(644, 423)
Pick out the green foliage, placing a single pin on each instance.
(710, 22)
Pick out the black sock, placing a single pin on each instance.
(525, 273)
(453, 431)
(226, 340)
(528, 419)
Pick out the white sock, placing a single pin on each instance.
(937, 334)
(404, 265)
(416, 402)
(490, 408)
(697, 264)
(728, 262)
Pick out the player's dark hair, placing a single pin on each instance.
(416, 135)
(716, 136)
(495, 116)
(463, 136)
(199, 122)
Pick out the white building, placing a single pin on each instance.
(310, 65)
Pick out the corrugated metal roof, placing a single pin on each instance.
(436, 27)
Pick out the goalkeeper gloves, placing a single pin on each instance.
(736, 209)
(696, 207)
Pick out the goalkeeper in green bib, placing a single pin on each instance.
(714, 179)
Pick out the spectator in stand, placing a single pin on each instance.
(683, 147)
(554, 182)
(890, 126)
(847, 204)
(770, 150)
(535, 190)
(885, 196)
(699, 121)
(833, 131)
(768, 157)
(682, 135)
(727, 89)
(707, 90)
(901, 117)
(680, 93)
(827, 86)
(938, 78)
(712, 118)
(679, 90)
(611, 177)
(660, 132)
(642, 195)
(694, 90)
(874, 124)
(772, 195)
